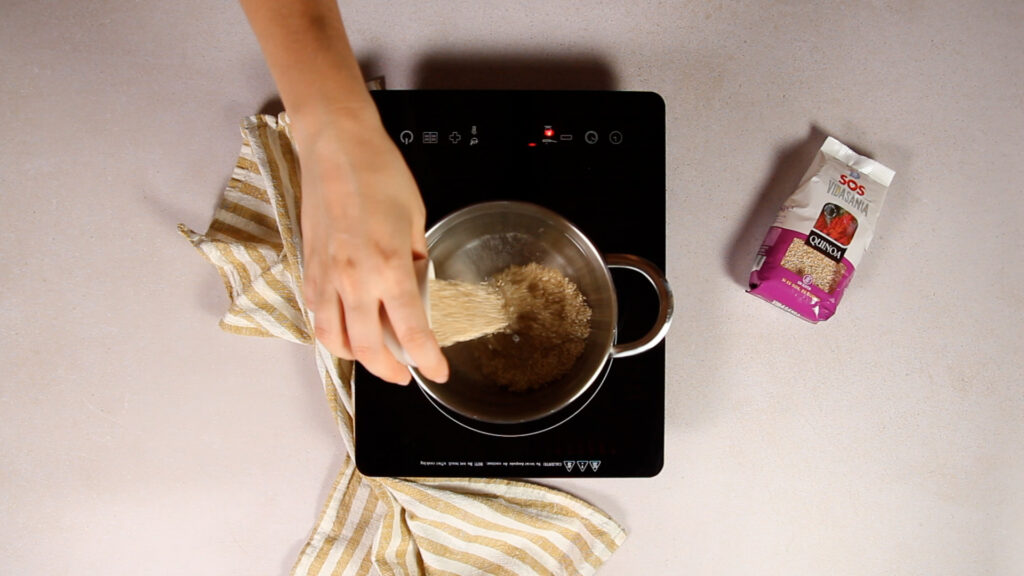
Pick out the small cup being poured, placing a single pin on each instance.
(501, 244)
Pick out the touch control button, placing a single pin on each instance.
(615, 137)
(590, 137)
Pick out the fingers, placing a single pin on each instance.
(353, 331)
(329, 326)
(405, 312)
(366, 338)
(363, 314)
(347, 314)
(328, 314)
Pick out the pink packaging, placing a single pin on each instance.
(816, 243)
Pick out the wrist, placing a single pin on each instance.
(334, 121)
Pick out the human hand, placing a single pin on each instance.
(363, 224)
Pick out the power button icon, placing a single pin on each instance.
(615, 137)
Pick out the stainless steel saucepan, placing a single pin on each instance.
(476, 243)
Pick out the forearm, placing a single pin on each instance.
(309, 55)
(362, 216)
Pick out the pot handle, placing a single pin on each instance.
(666, 303)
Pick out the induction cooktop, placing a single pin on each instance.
(598, 159)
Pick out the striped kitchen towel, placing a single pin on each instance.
(409, 526)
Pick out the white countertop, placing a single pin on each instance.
(137, 438)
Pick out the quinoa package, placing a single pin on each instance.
(816, 243)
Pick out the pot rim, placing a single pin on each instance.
(587, 247)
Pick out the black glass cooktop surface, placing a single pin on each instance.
(596, 158)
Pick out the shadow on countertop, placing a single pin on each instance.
(492, 72)
(513, 72)
(790, 164)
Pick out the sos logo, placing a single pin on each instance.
(851, 183)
